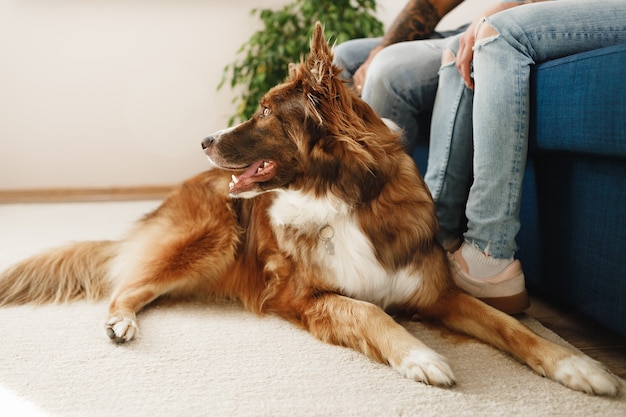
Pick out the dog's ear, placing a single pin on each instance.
(293, 71)
(320, 51)
(319, 75)
(319, 62)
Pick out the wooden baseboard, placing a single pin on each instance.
(61, 195)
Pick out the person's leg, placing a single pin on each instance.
(402, 82)
(351, 54)
(449, 174)
(507, 44)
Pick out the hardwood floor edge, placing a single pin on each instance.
(66, 195)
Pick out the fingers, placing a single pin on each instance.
(359, 77)
(465, 56)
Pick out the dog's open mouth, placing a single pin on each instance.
(260, 171)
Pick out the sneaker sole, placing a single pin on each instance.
(512, 304)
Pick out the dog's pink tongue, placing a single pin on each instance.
(257, 172)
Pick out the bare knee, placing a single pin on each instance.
(485, 30)
(447, 57)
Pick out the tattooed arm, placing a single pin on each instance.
(416, 21)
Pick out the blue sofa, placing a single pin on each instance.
(573, 236)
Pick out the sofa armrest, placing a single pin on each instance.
(579, 103)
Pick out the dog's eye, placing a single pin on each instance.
(265, 112)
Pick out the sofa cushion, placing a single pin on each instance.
(579, 103)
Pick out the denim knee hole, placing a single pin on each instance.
(484, 33)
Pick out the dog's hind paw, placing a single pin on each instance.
(427, 366)
(582, 373)
(121, 329)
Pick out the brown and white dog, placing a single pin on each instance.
(325, 222)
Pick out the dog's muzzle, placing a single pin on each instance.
(212, 139)
(208, 142)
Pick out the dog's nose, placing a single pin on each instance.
(215, 137)
(206, 143)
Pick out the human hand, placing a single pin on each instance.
(465, 55)
(358, 79)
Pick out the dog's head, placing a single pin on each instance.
(311, 133)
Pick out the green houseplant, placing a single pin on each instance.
(264, 59)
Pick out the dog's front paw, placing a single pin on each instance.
(582, 373)
(121, 329)
(427, 366)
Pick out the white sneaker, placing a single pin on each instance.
(505, 291)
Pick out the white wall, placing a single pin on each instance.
(115, 93)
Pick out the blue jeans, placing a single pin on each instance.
(475, 170)
(401, 81)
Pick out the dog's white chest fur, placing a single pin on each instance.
(351, 264)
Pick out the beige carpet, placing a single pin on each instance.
(218, 360)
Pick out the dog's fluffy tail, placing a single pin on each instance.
(76, 271)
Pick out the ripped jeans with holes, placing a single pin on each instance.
(479, 138)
